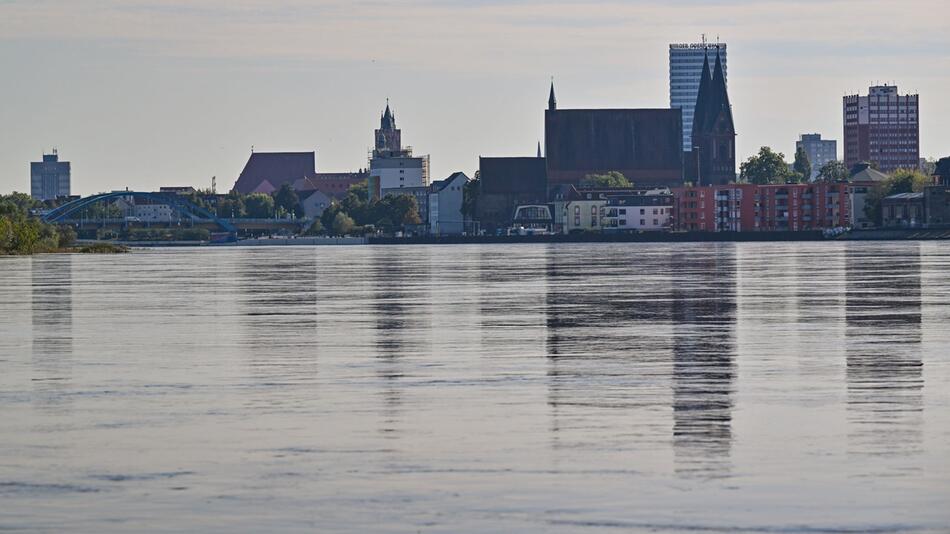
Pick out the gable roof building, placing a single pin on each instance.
(265, 172)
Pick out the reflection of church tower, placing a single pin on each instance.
(388, 137)
(704, 346)
(714, 132)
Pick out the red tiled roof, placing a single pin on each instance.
(277, 168)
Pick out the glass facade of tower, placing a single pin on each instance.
(686, 65)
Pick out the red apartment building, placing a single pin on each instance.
(761, 208)
(883, 128)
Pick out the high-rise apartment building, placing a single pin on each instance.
(686, 68)
(882, 128)
(49, 179)
(820, 151)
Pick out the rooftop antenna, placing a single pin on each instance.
(252, 149)
(704, 40)
(214, 185)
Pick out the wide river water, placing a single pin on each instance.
(498, 388)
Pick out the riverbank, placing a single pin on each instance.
(647, 237)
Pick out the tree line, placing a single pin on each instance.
(357, 214)
(21, 233)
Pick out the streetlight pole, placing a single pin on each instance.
(699, 177)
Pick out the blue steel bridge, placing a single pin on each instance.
(71, 212)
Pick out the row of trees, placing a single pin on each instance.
(21, 233)
(282, 203)
(356, 214)
(769, 167)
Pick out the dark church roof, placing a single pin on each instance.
(712, 102)
(267, 171)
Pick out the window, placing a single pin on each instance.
(623, 212)
(623, 222)
(643, 222)
(656, 222)
(643, 211)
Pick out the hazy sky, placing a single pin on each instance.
(143, 93)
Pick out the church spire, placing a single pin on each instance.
(702, 97)
(721, 103)
(552, 101)
(539, 149)
(388, 122)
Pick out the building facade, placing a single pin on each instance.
(686, 67)
(762, 208)
(445, 205)
(643, 212)
(392, 166)
(820, 151)
(882, 127)
(903, 210)
(50, 178)
(504, 184)
(643, 144)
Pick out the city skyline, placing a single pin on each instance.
(145, 93)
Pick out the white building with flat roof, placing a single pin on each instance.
(686, 67)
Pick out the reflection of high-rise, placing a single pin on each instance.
(52, 319)
(704, 346)
(607, 347)
(883, 337)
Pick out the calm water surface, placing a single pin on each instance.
(547, 388)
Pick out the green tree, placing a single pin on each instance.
(470, 192)
(902, 181)
(612, 179)
(231, 206)
(766, 167)
(286, 199)
(342, 224)
(259, 206)
(315, 228)
(17, 204)
(802, 164)
(66, 237)
(833, 171)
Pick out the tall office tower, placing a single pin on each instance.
(820, 151)
(686, 67)
(882, 128)
(49, 179)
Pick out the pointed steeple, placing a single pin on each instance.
(703, 97)
(552, 101)
(720, 105)
(388, 121)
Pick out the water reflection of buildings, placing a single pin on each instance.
(704, 347)
(608, 348)
(883, 338)
(278, 303)
(52, 322)
(400, 292)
